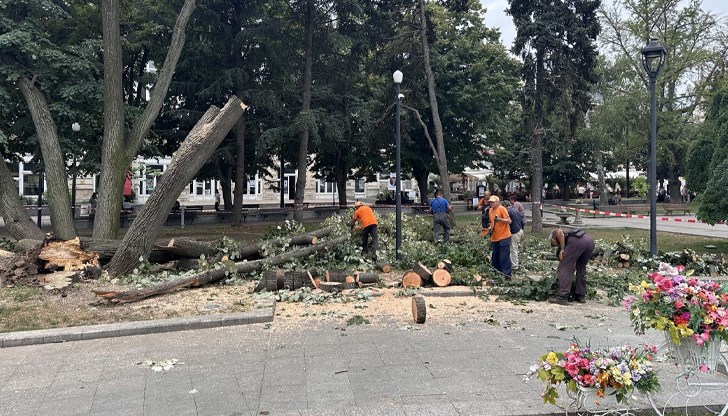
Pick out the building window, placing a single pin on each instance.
(152, 174)
(325, 187)
(359, 185)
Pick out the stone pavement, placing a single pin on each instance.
(319, 367)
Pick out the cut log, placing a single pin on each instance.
(257, 250)
(366, 278)
(445, 264)
(332, 287)
(293, 279)
(624, 256)
(271, 280)
(441, 277)
(411, 279)
(186, 247)
(336, 276)
(424, 272)
(383, 267)
(419, 309)
(214, 275)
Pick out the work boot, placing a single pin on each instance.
(581, 299)
(559, 300)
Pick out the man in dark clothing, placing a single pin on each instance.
(516, 227)
(440, 222)
(575, 250)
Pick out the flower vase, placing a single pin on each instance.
(587, 400)
(690, 355)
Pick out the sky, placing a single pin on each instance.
(496, 16)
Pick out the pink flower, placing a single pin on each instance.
(704, 368)
(679, 304)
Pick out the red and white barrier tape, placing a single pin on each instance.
(619, 214)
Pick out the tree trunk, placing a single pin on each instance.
(537, 146)
(213, 275)
(247, 251)
(305, 113)
(17, 221)
(437, 124)
(240, 184)
(196, 149)
(603, 191)
(58, 198)
(118, 152)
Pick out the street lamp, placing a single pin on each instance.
(76, 128)
(653, 58)
(397, 76)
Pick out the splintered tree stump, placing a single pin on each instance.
(336, 276)
(383, 267)
(419, 309)
(445, 264)
(333, 287)
(441, 277)
(423, 271)
(411, 279)
(367, 278)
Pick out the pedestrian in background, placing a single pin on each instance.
(365, 216)
(217, 200)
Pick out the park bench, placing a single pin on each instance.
(669, 208)
(224, 215)
(273, 212)
(326, 210)
(638, 209)
(420, 209)
(190, 212)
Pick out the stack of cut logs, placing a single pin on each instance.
(622, 256)
(421, 275)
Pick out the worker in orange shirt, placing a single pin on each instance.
(500, 236)
(365, 215)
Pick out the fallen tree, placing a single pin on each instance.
(214, 275)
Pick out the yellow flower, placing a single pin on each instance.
(627, 378)
(551, 358)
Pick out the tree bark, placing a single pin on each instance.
(17, 221)
(305, 113)
(213, 275)
(196, 149)
(118, 151)
(437, 124)
(59, 200)
(240, 184)
(247, 251)
(537, 145)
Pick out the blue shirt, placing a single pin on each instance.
(438, 205)
(516, 220)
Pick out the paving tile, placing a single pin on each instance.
(443, 409)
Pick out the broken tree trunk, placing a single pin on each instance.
(67, 255)
(367, 278)
(213, 275)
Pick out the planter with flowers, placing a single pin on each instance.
(597, 378)
(692, 313)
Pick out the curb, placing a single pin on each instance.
(261, 313)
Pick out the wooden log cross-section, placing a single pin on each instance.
(445, 264)
(424, 272)
(214, 275)
(441, 277)
(419, 309)
(411, 279)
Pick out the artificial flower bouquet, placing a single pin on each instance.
(618, 371)
(684, 306)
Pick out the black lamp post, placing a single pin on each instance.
(653, 58)
(397, 76)
(76, 128)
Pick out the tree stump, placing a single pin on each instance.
(411, 279)
(272, 280)
(424, 272)
(366, 278)
(445, 264)
(441, 278)
(419, 309)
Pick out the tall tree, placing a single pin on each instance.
(556, 40)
